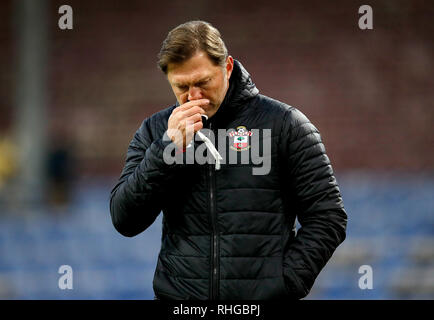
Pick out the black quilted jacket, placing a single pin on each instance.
(229, 234)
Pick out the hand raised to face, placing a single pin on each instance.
(185, 121)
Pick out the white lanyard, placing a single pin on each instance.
(212, 149)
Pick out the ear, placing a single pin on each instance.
(229, 66)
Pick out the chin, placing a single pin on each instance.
(210, 112)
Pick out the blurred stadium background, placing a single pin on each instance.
(71, 100)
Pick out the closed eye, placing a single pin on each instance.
(182, 87)
(202, 83)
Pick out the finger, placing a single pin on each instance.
(194, 110)
(194, 118)
(197, 126)
(190, 104)
(194, 127)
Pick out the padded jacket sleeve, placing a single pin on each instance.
(312, 190)
(136, 200)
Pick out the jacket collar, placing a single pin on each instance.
(241, 89)
(241, 86)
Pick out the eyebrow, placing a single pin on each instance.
(180, 84)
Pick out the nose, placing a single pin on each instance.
(194, 93)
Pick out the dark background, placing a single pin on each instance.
(369, 92)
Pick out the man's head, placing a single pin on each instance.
(197, 65)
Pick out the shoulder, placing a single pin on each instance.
(156, 124)
(152, 127)
(292, 117)
(159, 118)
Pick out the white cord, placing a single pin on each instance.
(212, 149)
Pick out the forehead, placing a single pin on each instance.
(197, 68)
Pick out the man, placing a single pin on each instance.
(228, 233)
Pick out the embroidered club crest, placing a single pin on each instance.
(241, 138)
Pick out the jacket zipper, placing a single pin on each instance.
(214, 236)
